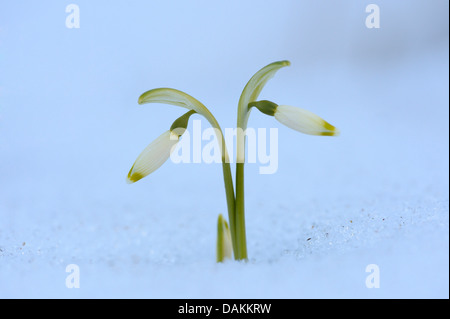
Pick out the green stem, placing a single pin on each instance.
(240, 212)
(248, 95)
(229, 190)
(240, 203)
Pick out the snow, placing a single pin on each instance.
(70, 129)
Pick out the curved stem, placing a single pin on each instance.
(179, 98)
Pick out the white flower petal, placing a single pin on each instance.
(153, 156)
(304, 121)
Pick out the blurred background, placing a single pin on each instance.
(70, 125)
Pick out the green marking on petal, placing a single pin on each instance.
(332, 131)
(135, 177)
(327, 134)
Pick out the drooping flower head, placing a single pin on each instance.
(153, 156)
(297, 118)
(158, 151)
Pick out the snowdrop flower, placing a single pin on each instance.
(231, 237)
(304, 121)
(297, 118)
(153, 156)
(158, 151)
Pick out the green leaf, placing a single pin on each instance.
(224, 245)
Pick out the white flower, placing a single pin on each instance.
(153, 156)
(304, 121)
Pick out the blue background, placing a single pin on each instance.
(70, 129)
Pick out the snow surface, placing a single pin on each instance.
(70, 129)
